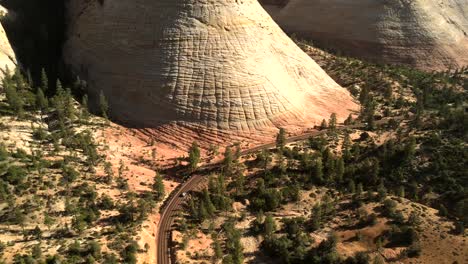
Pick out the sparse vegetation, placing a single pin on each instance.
(356, 183)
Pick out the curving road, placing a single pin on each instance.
(174, 202)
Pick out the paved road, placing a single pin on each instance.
(175, 201)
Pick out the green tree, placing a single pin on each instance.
(14, 98)
(332, 122)
(194, 156)
(158, 187)
(109, 172)
(364, 95)
(94, 249)
(443, 210)
(281, 139)
(351, 186)
(228, 160)
(218, 251)
(48, 221)
(317, 174)
(37, 251)
(269, 226)
(381, 192)
(349, 120)
(44, 81)
(41, 101)
(103, 105)
(324, 124)
(340, 169)
(84, 109)
(401, 191)
(359, 190)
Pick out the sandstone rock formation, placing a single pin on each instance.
(428, 34)
(214, 67)
(7, 55)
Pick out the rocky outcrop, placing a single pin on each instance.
(7, 55)
(215, 68)
(427, 34)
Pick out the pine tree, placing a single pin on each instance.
(239, 184)
(364, 95)
(269, 226)
(324, 124)
(228, 160)
(332, 122)
(340, 169)
(443, 211)
(194, 156)
(158, 187)
(347, 147)
(359, 190)
(349, 120)
(210, 208)
(84, 109)
(109, 172)
(44, 81)
(103, 105)
(14, 98)
(381, 192)
(317, 175)
(351, 186)
(69, 107)
(281, 139)
(218, 251)
(368, 113)
(48, 221)
(41, 101)
(401, 191)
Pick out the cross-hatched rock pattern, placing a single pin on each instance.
(211, 66)
(7, 55)
(427, 34)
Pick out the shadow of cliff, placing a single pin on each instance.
(36, 31)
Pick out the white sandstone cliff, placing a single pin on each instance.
(427, 34)
(200, 65)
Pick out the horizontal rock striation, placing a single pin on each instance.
(213, 67)
(427, 34)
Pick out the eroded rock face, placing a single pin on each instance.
(428, 34)
(7, 55)
(215, 67)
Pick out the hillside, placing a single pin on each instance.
(391, 190)
(74, 187)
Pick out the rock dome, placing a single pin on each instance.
(213, 67)
(427, 34)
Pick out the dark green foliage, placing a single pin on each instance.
(324, 124)
(332, 121)
(194, 156)
(15, 175)
(158, 187)
(281, 139)
(103, 105)
(233, 245)
(129, 253)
